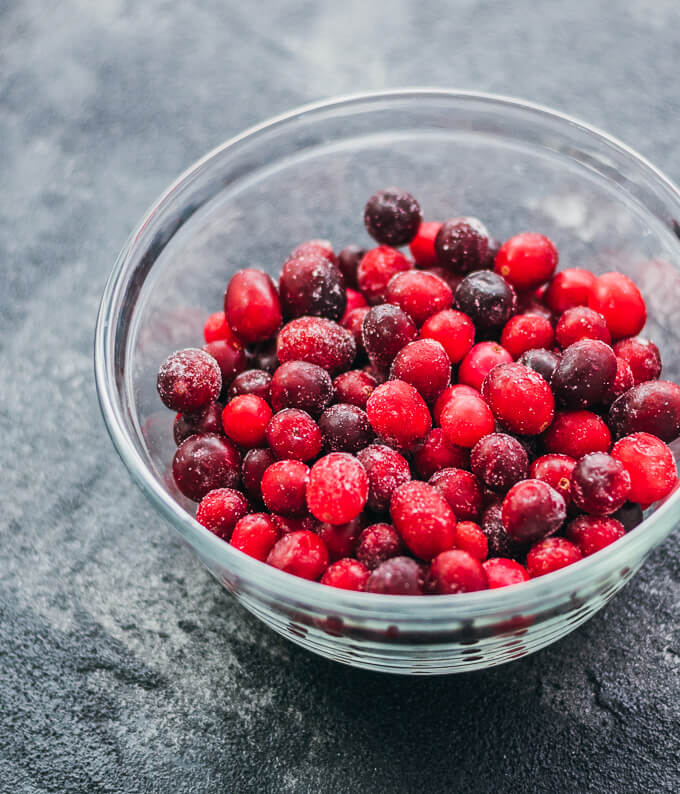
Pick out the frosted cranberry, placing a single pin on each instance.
(419, 294)
(499, 461)
(581, 323)
(650, 464)
(465, 419)
(301, 553)
(386, 470)
(623, 380)
(209, 420)
(346, 574)
(255, 535)
(642, 356)
(423, 518)
(203, 463)
(189, 380)
(519, 398)
(425, 365)
(348, 262)
(252, 381)
(550, 555)
(338, 488)
(456, 571)
(345, 428)
(378, 543)
(386, 329)
(286, 524)
(569, 288)
(311, 285)
(422, 246)
(481, 359)
(652, 407)
(220, 510)
(299, 384)
(255, 463)
(599, 484)
(354, 387)
(470, 538)
(556, 470)
(355, 300)
(527, 260)
(462, 491)
(252, 306)
(618, 299)
(314, 248)
(377, 268)
(230, 357)
(437, 453)
(245, 420)
(576, 433)
(353, 321)
(263, 356)
(540, 360)
(630, 515)
(293, 434)
(532, 510)
(453, 330)
(392, 216)
(216, 327)
(443, 399)
(592, 533)
(487, 299)
(399, 415)
(317, 340)
(501, 544)
(396, 576)
(526, 332)
(502, 572)
(284, 486)
(585, 373)
(462, 245)
(341, 539)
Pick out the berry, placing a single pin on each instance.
(465, 419)
(453, 330)
(252, 306)
(346, 574)
(527, 260)
(581, 323)
(209, 420)
(642, 356)
(585, 373)
(216, 327)
(285, 524)
(337, 489)
(600, 484)
(442, 401)
(623, 380)
(532, 510)
(556, 470)
(376, 269)
(462, 245)
(230, 357)
(386, 470)
(419, 294)
(399, 415)
(526, 332)
(203, 463)
(576, 433)
(652, 407)
(499, 461)
(378, 543)
(569, 288)
(353, 321)
(502, 572)
(437, 453)
(385, 330)
(425, 365)
(263, 356)
(220, 510)
(422, 246)
(396, 576)
(299, 384)
(452, 279)
(500, 543)
(311, 285)
(293, 434)
(487, 299)
(341, 539)
(314, 248)
(592, 533)
(540, 360)
(301, 553)
(462, 491)
(355, 300)
(519, 398)
(255, 463)
(189, 380)
(470, 538)
(245, 420)
(284, 487)
(618, 299)
(481, 359)
(354, 387)
(456, 571)
(345, 428)
(255, 535)
(392, 216)
(650, 464)
(252, 381)
(316, 340)
(423, 518)
(348, 262)
(550, 555)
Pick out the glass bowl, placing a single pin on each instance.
(308, 174)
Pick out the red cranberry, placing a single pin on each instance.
(581, 323)
(245, 420)
(386, 470)
(617, 298)
(392, 216)
(398, 414)
(527, 260)
(216, 327)
(255, 463)
(453, 330)
(346, 574)
(378, 543)
(230, 357)
(599, 484)
(293, 434)
(345, 428)
(642, 356)
(487, 299)
(396, 576)
(263, 356)
(341, 539)
(585, 373)
(348, 262)
(576, 433)
(502, 572)
(189, 380)
(550, 555)
(386, 329)
(592, 533)
(284, 487)
(532, 510)
(623, 380)
(425, 365)
(456, 571)
(442, 401)
(462, 491)
(209, 420)
(630, 515)
(354, 387)
(252, 381)
(423, 518)
(355, 300)
(312, 285)
(540, 360)
(317, 340)
(301, 553)
(376, 269)
(462, 245)
(499, 461)
(252, 306)
(526, 332)
(286, 524)
(470, 538)
(569, 288)
(255, 535)
(500, 543)
(419, 294)
(652, 407)
(422, 245)
(353, 321)
(650, 464)
(437, 453)
(203, 463)
(465, 419)
(556, 470)
(220, 510)
(338, 488)
(299, 384)
(519, 398)
(481, 359)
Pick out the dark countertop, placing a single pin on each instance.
(123, 666)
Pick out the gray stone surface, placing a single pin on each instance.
(123, 666)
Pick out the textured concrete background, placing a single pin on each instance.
(123, 666)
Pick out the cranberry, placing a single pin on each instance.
(453, 330)
(255, 535)
(216, 327)
(550, 555)
(456, 571)
(203, 463)
(437, 453)
(317, 340)
(220, 510)
(341, 539)
(284, 487)
(398, 414)
(419, 294)
(576, 433)
(386, 329)
(312, 285)
(315, 248)
(481, 359)
(348, 262)
(502, 572)
(345, 428)
(623, 380)
(425, 365)
(422, 246)
(286, 524)
(585, 373)
(392, 216)
(338, 488)
(617, 298)
(630, 515)
(386, 470)
(592, 533)
(293, 434)
(487, 299)
(252, 306)
(569, 288)
(642, 356)
(424, 519)
(500, 543)
(650, 464)
(299, 384)
(346, 574)
(462, 491)
(354, 387)
(378, 543)
(255, 463)
(376, 269)
(652, 407)
(301, 553)
(189, 380)
(252, 381)
(230, 357)
(599, 484)
(396, 576)
(499, 461)
(526, 332)
(263, 356)
(519, 398)
(462, 245)
(532, 510)
(465, 419)
(245, 420)
(442, 401)
(355, 300)
(527, 260)
(353, 321)
(540, 360)
(556, 470)
(532, 303)
(209, 420)
(452, 279)
(581, 323)
(470, 538)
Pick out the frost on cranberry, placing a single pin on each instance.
(581, 323)
(252, 307)
(526, 332)
(462, 490)
(386, 470)
(642, 356)
(346, 574)
(519, 398)
(503, 572)
(550, 555)
(424, 519)
(299, 384)
(585, 374)
(220, 510)
(532, 510)
(377, 268)
(465, 419)
(378, 543)
(462, 245)
(337, 489)
(470, 538)
(189, 380)
(436, 453)
(203, 463)
(392, 216)
(396, 576)
(453, 330)
(312, 285)
(593, 533)
(425, 365)
(456, 571)
(293, 434)
(354, 387)
(499, 461)
(301, 553)
(501, 544)
(487, 299)
(284, 488)
(317, 340)
(419, 294)
(576, 433)
(399, 415)
(650, 465)
(208, 420)
(255, 535)
(479, 361)
(345, 428)
(385, 330)
(652, 407)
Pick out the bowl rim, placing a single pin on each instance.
(627, 551)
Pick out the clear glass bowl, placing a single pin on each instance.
(307, 174)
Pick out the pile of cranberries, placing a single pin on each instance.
(456, 419)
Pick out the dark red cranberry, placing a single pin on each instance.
(585, 373)
(527, 260)
(216, 327)
(220, 510)
(470, 538)
(540, 360)
(456, 571)
(453, 330)
(487, 299)
(286, 524)
(189, 380)
(293, 434)
(312, 285)
(425, 365)
(209, 420)
(465, 419)
(252, 381)
(532, 510)
(652, 407)
(419, 294)
(526, 332)
(353, 321)
(442, 401)
(618, 299)
(569, 288)
(592, 533)
(396, 576)
(230, 357)
(481, 359)
(263, 356)
(392, 216)
(422, 246)
(322, 248)
(519, 398)
(581, 323)
(650, 465)
(386, 329)
(345, 428)
(245, 420)
(499, 461)
(203, 463)
(576, 433)
(346, 574)
(377, 268)
(599, 484)
(550, 555)
(423, 518)
(502, 572)
(378, 543)
(399, 415)
(642, 356)
(348, 262)
(437, 453)
(462, 245)
(255, 535)
(255, 463)
(500, 543)
(386, 470)
(630, 515)
(452, 279)
(556, 470)
(252, 306)
(301, 553)
(338, 488)
(284, 487)
(319, 341)
(299, 384)
(341, 539)
(623, 380)
(462, 491)
(354, 387)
